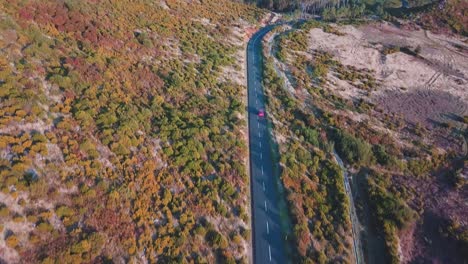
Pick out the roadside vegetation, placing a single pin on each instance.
(121, 138)
(314, 185)
(310, 120)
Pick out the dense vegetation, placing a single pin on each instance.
(390, 209)
(112, 147)
(450, 15)
(277, 5)
(431, 14)
(319, 7)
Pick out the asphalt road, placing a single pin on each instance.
(268, 240)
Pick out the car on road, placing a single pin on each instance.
(261, 113)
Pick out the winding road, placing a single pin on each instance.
(268, 240)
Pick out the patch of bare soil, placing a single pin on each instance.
(428, 241)
(433, 79)
(435, 110)
(423, 106)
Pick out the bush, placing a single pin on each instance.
(391, 212)
(200, 230)
(18, 219)
(64, 211)
(12, 241)
(4, 212)
(216, 239)
(381, 155)
(81, 247)
(354, 150)
(391, 50)
(45, 227)
(311, 136)
(419, 167)
(245, 233)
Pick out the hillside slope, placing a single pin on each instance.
(393, 104)
(122, 131)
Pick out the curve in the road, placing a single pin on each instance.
(268, 239)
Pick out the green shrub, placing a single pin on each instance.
(216, 239)
(381, 155)
(64, 211)
(45, 227)
(353, 150)
(391, 211)
(419, 167)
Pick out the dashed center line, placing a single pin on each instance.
(268, 228)
(263, 186)
(262, 174)
(266, 209)
(269, 252)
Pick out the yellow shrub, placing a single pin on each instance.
(21, 113)
(12, 241)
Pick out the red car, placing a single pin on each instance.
(261, 113)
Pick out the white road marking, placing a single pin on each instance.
(263, 186)
(259, 134)
(261, 155)
(260, 144)
(268, 228)
(258, 125)
(269, 252)
(266, 209)
(255, 39)
(262, 174)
